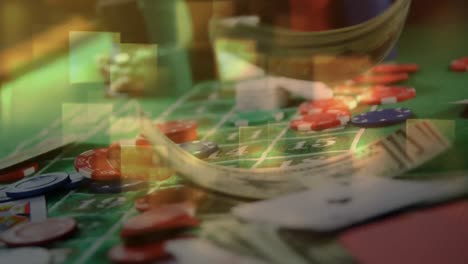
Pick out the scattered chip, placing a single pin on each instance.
(3, 196)
(32, 255)
(396, 68)
(76, 180)
(18, 174)
(117, 186)
(148, 253)
(253, 118)
(37, 185)
(382, 79)
(169, 217)
(379, 95)
(382, 117)
(38, 233)
(200, 149)
(94, 164)
(338, 105)
(180, 131)
(459, 65)
(318, 122)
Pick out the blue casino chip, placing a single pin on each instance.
(76, 180)
(382, 117)
(37, 185)
(117, 186)
(3, 196)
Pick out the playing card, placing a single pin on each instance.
(339, 204)
(430, 236)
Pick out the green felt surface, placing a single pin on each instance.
(32, 103)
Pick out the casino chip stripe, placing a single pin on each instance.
(382, 117)
(18, 174)
(252, 118)
(37, 185)
(200, 149)
(318, 122)
(39, 233)
(380, 95)
(94, 164)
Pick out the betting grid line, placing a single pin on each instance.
(95, 246)
(285, 130)
(220, 123)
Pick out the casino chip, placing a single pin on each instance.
(338, 105)
(148, 253)
(179, 131)
(382, 117)
(396, 68)
(200, 149)
(386, 79)
(162, 219)
(459, 65)
(18, 174)
(76, 180)
(30, 255)
(3, 196)
(318, 122)
(252, 118)
(37, 185)
(379, 95)
(38, 233)
(117, 186)
(94, 164)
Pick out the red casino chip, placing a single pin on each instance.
(318, 122)
(386, 79)
(339, 105)
(459, 65)
(18, 174)
(95, 165)
(379, 95)
(38, 233)
(169, 217)
(395, 68)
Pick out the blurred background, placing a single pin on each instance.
(187, 22)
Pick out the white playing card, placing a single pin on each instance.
(339, 204)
